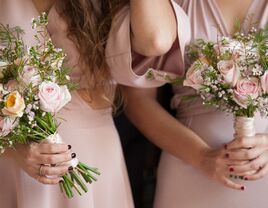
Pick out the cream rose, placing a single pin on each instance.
(229, 71)
(246, 90)
(194, 77)
(30, 75)
(53, 97)
(14, 105)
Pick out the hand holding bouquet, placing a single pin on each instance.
(34, 86)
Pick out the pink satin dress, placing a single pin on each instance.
(179, 185)
(91, 132)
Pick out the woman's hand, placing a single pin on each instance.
(215, 165)
(253, 151)
(39, 161)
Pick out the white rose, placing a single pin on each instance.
(53, 97)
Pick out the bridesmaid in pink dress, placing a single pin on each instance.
(179, 184)
(89, 127)
(194, 157)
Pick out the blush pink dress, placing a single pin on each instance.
(91, 132)
(179, 185)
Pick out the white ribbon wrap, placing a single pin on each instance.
(244, 127)
(57, 139)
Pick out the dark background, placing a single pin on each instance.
(141, 155)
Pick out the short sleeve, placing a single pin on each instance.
(131, 69)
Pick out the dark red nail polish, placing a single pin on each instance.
(231, 169)
(70, 168)
(61, 181)
(227, 155)
(242, 188)
(69, 146)
(246, 178)
(73, 155)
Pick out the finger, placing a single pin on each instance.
(245, 154)
(231, 184)
(229, 162)
(260, 174)
(248, 142)
(49, 181)
(253, 165)
(53, 148)
(56, 158)
(52, 171)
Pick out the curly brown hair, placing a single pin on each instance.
(89, 23)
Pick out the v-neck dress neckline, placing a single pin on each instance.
(222, 20)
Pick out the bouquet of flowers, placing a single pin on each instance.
(34, 86)
(232, 75)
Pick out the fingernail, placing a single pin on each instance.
(227, 155)
(73, 155)
(225, 146)
(69, 146)
(245, 178)
(61, 181)
(231, 169)
(242, 188)
(241, 177)
(70, 168)
(230, 176)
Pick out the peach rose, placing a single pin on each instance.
(14, 105)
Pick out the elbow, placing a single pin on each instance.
(156, 45)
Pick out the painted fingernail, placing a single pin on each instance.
(61, 181)
(242, 188)
(73, 155)
(231, 169)
(70, 168)
(230, 176)
(69, 146)
(246, 178)
(227, 155)
(225, 146)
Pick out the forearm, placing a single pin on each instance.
(153, 26)
(162, 128)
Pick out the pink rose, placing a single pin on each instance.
(7, 125)
(246, 90)
(264, 82)
(194, 77)
(229, 71)
(53, 97)
(30, 75)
